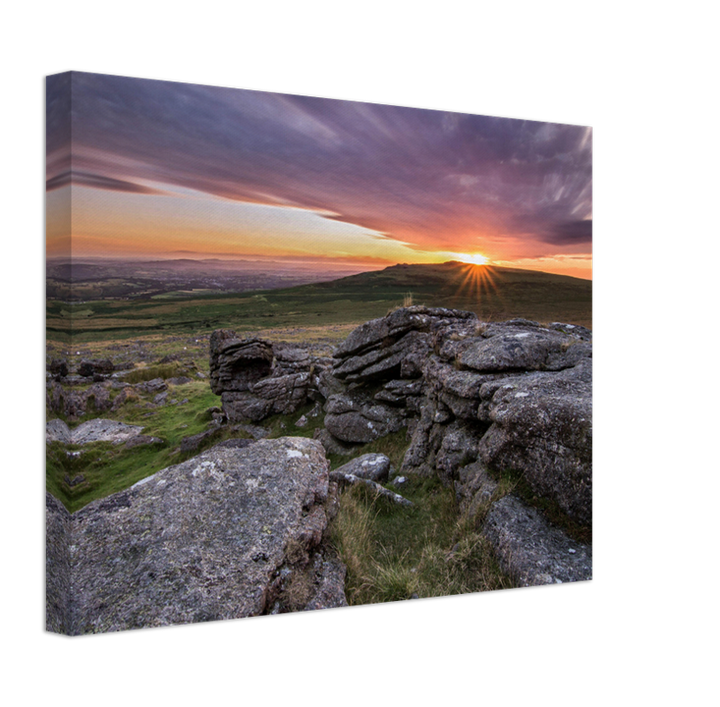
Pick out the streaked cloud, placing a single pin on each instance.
(431, 181)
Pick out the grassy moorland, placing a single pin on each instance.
(391, 552)
(493, 293)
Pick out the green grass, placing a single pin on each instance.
(394, 552)
(109, 468)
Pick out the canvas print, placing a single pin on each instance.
(306, 353)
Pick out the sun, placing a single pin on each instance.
(473, 258)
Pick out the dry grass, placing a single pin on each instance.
(394, 553)
(353, 538)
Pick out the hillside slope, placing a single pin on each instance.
(491, 292)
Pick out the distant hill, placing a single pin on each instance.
(491, 292)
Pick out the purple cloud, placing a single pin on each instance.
(430, 178)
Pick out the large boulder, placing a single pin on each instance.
(542, 427)
(230, 533)
(373, 466)
(283, 394)
(515, 395)
(386, 331)
(532, 551)
(236, 363)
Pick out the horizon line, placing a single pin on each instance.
(298, 260)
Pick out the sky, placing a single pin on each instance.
(141, 168)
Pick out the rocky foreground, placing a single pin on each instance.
(228, 534)
(240, 529)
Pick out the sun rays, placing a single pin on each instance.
(478, 283)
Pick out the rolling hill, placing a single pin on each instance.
(493, 293)
(489, 291)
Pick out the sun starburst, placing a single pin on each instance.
(477, 289)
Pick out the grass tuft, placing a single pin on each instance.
(394, 553)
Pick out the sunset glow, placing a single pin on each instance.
(160, 168)
(475, 259)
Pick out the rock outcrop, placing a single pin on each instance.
(256, 378)
(230, 533)
(375, 386)
(530, 550)
(240, 529)
(514, 395)
(86, 389)
(476, 399)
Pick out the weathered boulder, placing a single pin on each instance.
(97, 398)
(58, 541)
(256, 378)
(58, 367)
(369, 469)
(389, 352)
(386, 361)
(57, 431)
(373, 466)
(387, 330)
(516, 395)
(97, 430)
(374, 486)
(236, 363)
(532, 551)
(283, 394)
(356, 418)
(64, 399)
(156, 385)
(542, 426)
(527, 349)
(230, 533)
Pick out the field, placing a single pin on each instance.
(492, 293)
